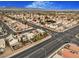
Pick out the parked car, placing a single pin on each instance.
(2, 45)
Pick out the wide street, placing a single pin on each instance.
(9, 31)
(45, 48)
(57, 40)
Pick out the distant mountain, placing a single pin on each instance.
(22, 8)
(37, 10)
(33, 9)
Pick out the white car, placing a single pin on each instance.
(2, 45)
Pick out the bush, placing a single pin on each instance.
(39, 37)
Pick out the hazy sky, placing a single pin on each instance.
(41, 4)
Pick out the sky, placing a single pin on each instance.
(58, 5)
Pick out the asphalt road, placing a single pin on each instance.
(9, 31)
(67, 36)
(60, 38)
(33, 25)
(33, 48)
(32, 52)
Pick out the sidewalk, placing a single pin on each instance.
(54, 30)
(57, 50)
(71, 27)
(8, 53)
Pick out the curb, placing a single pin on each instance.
(57, 50)
(29, 46)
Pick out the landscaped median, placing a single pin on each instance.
(36, 40)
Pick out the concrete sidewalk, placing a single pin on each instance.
(8, 53)
(57, 50)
